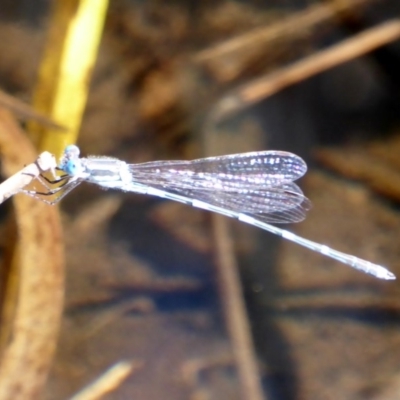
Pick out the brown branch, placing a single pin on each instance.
(235, 312)
(33, 298)
(24, 111)
(293, 25)
(347, 50)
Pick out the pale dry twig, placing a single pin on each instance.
(46, 162)
(108, 382)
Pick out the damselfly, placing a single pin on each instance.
(257, 188)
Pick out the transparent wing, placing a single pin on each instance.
(271, 202)
(235, 172)
(258, 184)
(282, 204)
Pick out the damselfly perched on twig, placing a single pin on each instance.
(257, 188)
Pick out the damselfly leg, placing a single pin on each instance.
(52, 190)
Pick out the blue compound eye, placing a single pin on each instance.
(71, 151)
(71, 154)
(72, 167)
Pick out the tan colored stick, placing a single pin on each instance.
(25, 111)
(347, 50)
(293, 25)
(108, 382)
(33, 299)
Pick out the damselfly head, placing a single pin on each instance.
(71, 152)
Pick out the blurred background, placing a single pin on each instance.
(146, 279)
